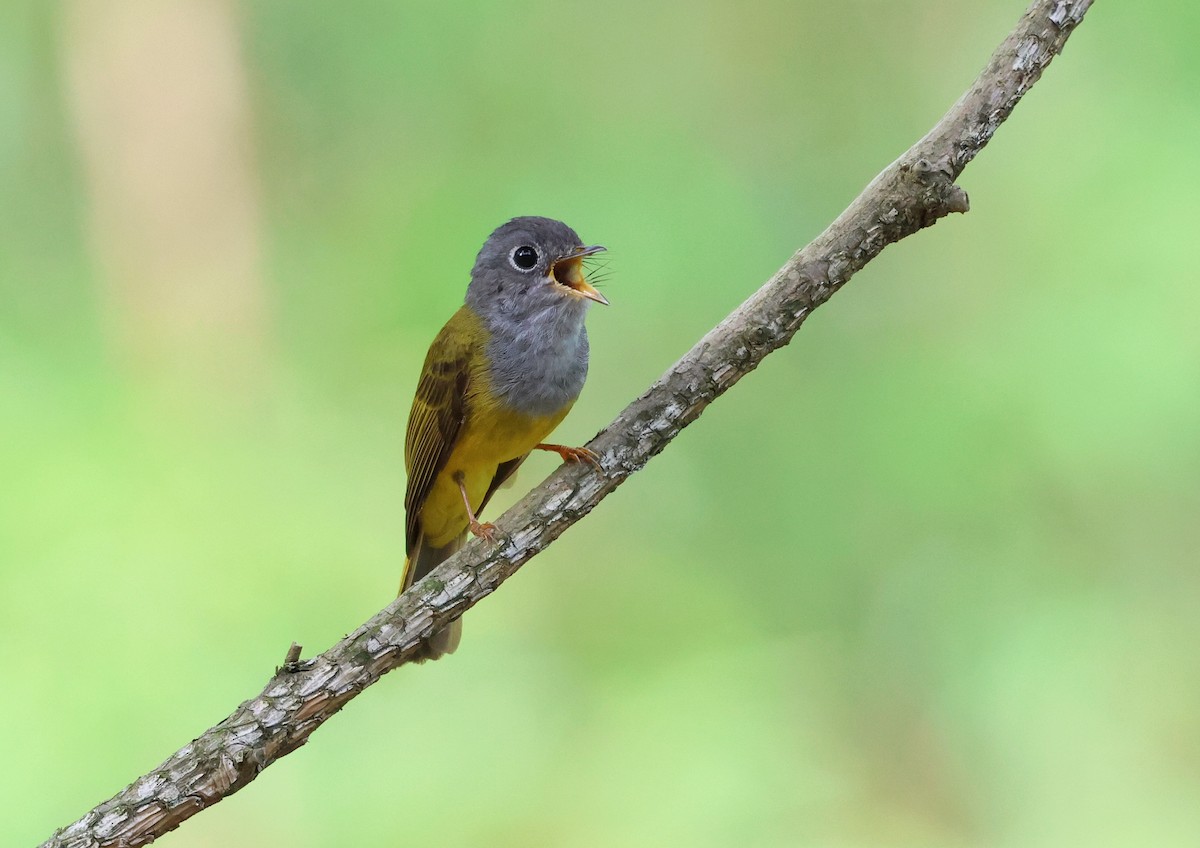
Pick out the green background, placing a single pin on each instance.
(927, 578)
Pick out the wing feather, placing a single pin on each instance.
(437, 416)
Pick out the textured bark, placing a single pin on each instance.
(912, 193)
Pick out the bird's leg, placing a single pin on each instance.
(573, 454)
(482, 530)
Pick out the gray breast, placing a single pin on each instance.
(539, 367)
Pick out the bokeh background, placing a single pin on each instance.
(927, 578)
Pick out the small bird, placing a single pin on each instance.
(501, 375)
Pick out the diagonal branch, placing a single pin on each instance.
(912, 193)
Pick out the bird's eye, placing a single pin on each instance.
(524, 257)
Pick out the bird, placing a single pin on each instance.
(498, 378)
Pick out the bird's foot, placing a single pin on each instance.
(484, 530)
(574, 454)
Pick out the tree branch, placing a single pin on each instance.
(912, 193)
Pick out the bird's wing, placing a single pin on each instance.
(436, 419)
(504, 473)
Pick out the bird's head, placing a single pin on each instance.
(530, 266)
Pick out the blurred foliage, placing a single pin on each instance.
(928, 578)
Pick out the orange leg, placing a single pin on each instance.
(482, 530)
(573, 454)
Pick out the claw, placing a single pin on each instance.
(574, 454)
(484, 530)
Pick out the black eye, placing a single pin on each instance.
(524, 257)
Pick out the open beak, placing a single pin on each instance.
(568, 272)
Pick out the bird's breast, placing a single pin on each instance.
(538, 374)
(495, 433)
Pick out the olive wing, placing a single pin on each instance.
(436, 419)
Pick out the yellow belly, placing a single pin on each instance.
(491, 436)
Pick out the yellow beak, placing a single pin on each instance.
(568, 272)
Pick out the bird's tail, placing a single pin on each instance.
(423, 559)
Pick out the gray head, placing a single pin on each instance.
(530, 267)
(529, 290)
